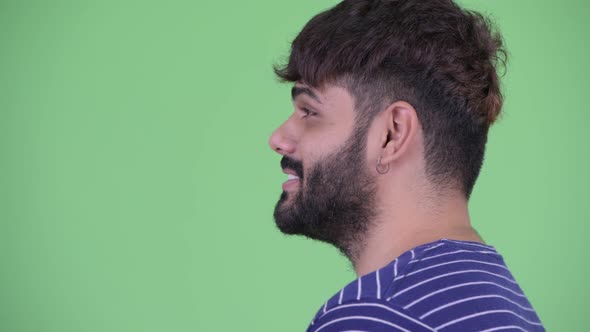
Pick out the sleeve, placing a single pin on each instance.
(368, 315)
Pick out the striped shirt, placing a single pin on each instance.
(447, 285)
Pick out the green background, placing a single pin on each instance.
(137, 184)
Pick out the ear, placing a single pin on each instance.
(400, 128)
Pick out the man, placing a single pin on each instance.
(393, 101)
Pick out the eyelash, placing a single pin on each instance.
(307, 112)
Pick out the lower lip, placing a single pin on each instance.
(290, 184)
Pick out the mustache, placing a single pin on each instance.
(296, 166)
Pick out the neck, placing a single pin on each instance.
(410, 223)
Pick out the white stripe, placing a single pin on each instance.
(358, 294)
(395, 268)
(461, 285)
(473, 298)
(455, 252)
(341, 294)
(446, 275)
(454, 321)
(362, 317)
(504, 328)
(325, 305)
(413, 255)
(447, 263)
(434, 247)
(399, 313)
(470, 244)
(378, 286)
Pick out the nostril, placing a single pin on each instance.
(272, 142)
(281, 143)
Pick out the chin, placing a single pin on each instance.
(287, 220)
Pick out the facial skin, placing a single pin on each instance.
(341, 199)
(334, 199)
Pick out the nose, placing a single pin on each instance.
(281, 141)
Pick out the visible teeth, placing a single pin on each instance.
(292, 177)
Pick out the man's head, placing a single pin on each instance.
(408, 84)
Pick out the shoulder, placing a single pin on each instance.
(366, 314)
(462, 285)
(450, 267)
(446, 260)
(456, 284)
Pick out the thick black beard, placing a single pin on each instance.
(337, 202)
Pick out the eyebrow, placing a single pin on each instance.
(296, 91)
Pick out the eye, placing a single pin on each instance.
(307, 112)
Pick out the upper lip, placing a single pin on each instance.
(289, 171)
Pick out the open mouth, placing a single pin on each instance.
(292, 181)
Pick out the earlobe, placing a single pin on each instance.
(382, 169)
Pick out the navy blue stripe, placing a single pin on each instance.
(445, 285)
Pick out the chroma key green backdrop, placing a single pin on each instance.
(137, 185)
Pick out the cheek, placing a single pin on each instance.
(318, 142)
(321, 139)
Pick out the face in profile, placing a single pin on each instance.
(333, 198)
